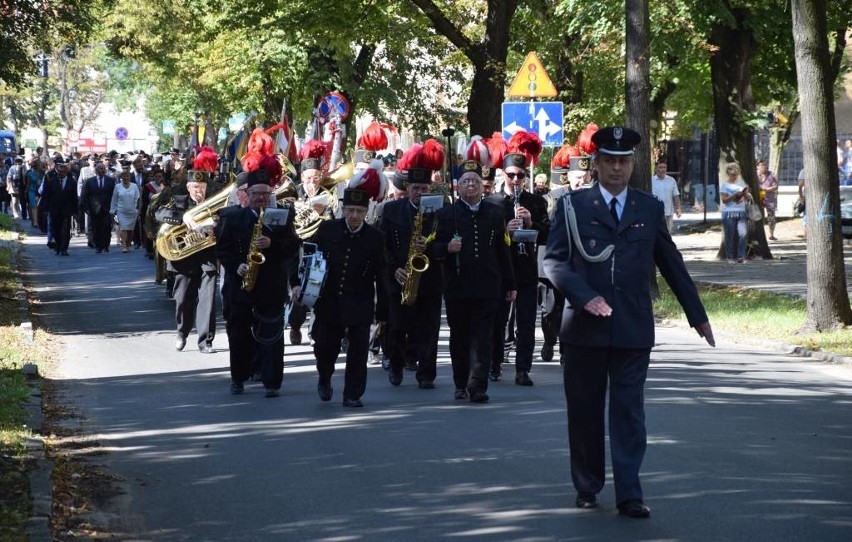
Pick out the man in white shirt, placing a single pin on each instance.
(665, 189)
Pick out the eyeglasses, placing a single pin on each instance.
(513, 175)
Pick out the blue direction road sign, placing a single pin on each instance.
(543, 118)
(121, 133)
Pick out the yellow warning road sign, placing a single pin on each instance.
(532, 80)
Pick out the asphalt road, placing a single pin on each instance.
(743, 444)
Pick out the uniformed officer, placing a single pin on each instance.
(420, 322)
(254, 317)
(195, 275)
(522, 210)
(604, 268)
(471, 241)
(355, 291)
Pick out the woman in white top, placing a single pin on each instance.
(125, 208)
(734, 192)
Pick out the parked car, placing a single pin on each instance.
(846, 218)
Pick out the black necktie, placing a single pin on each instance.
(101, 183)
(613, 210)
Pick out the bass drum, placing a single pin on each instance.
(313, 276)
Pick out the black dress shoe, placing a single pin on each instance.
(295, 336)
(523, 379)
(461, 395)
(478, 397)
(180, 342)
(547, 352)
(206, 349)
(355, 403)
(587, 500)
(495, 376)
(98, 251)
(395, 377)
(65, 253)
(236, 388)
(634, 509)
(272, 392)
(426, 384)
(324, 390)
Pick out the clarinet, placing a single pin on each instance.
(516, 192)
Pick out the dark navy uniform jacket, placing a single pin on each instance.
(355, 286)
(641, 240)
(483, 268)
(396, 223)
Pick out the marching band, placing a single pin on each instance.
(356, 250)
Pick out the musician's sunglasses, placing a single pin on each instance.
(520, 175)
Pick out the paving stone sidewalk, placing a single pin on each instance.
(785, 274)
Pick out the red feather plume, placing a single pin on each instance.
(526, 143)
(405, 161)
(562, 158)
(431, 156)
(497, 149)
(312, 149)
(259, 156)
(206, 160)
(374, 138)
(584, 140)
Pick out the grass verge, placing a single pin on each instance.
(14, 391)
(758, 315)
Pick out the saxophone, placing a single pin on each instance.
(416, 263)
(255, 256)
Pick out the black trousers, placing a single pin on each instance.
(60, 227)
(101, 230)
(586, 374)
(525, 321)
(328, 332)
(552, 304)
(298, 315)
(415, 328)
(471, 322)
(255, 335)
(195, 304)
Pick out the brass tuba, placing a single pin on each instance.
(177, 241)
(307, 220)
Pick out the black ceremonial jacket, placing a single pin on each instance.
(396, 223)
(233, 240)
(483, 268)
(355, 289)
(526, 266)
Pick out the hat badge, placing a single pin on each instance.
(617, 132)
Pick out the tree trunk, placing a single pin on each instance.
(488, 58)
(638, 87)
(828, 299)
(730, 73)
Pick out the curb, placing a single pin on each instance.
(41, 490)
